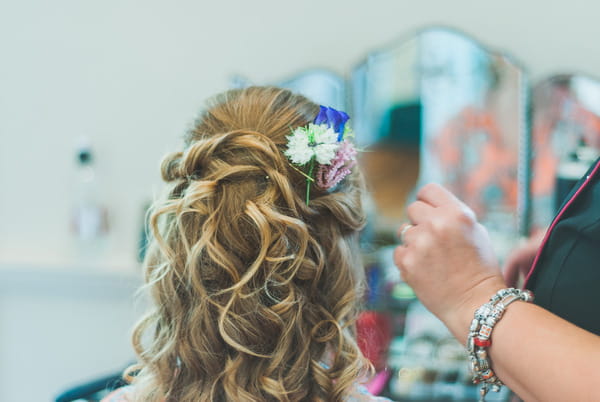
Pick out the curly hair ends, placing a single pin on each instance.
(255, 293)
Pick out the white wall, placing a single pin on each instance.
(60, 328)
(131, 76)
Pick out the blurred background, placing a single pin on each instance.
(498, 101)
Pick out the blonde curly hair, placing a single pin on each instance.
(255, 293)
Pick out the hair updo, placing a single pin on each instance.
(255, 293)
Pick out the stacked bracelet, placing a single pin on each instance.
(480, 333)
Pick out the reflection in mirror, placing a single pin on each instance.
(565, 140)
(321, 86)
(387, 121)
(439, 107)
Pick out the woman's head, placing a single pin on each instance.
(251, 285)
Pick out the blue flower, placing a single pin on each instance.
(333, 118)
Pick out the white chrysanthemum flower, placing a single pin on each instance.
(325, 153)
(299, 150)
(319, 141)
(323, 134)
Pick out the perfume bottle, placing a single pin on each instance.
(89, 222)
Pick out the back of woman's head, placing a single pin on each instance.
(255, 292)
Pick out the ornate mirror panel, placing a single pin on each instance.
(439, 107)
(321, 86)
(387, 112)
(565, 140)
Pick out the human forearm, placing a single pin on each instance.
(446, 257)
(541, 356)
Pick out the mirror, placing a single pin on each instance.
(437, 106)
(387, 111)
(440, 107)
(319, 85)
(565, 140)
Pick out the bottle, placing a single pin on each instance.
(89, 222)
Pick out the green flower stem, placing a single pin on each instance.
(308, 182)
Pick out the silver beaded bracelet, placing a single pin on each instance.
(480, 333)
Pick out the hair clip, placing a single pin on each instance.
(324, 148)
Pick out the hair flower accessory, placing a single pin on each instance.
(323, 145)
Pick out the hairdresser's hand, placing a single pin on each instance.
(520, 259)
(447, 258)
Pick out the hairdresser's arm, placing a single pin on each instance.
(448, 261)
(519, 261)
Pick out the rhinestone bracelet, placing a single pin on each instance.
(480, 333)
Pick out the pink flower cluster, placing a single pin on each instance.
(328, 176)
